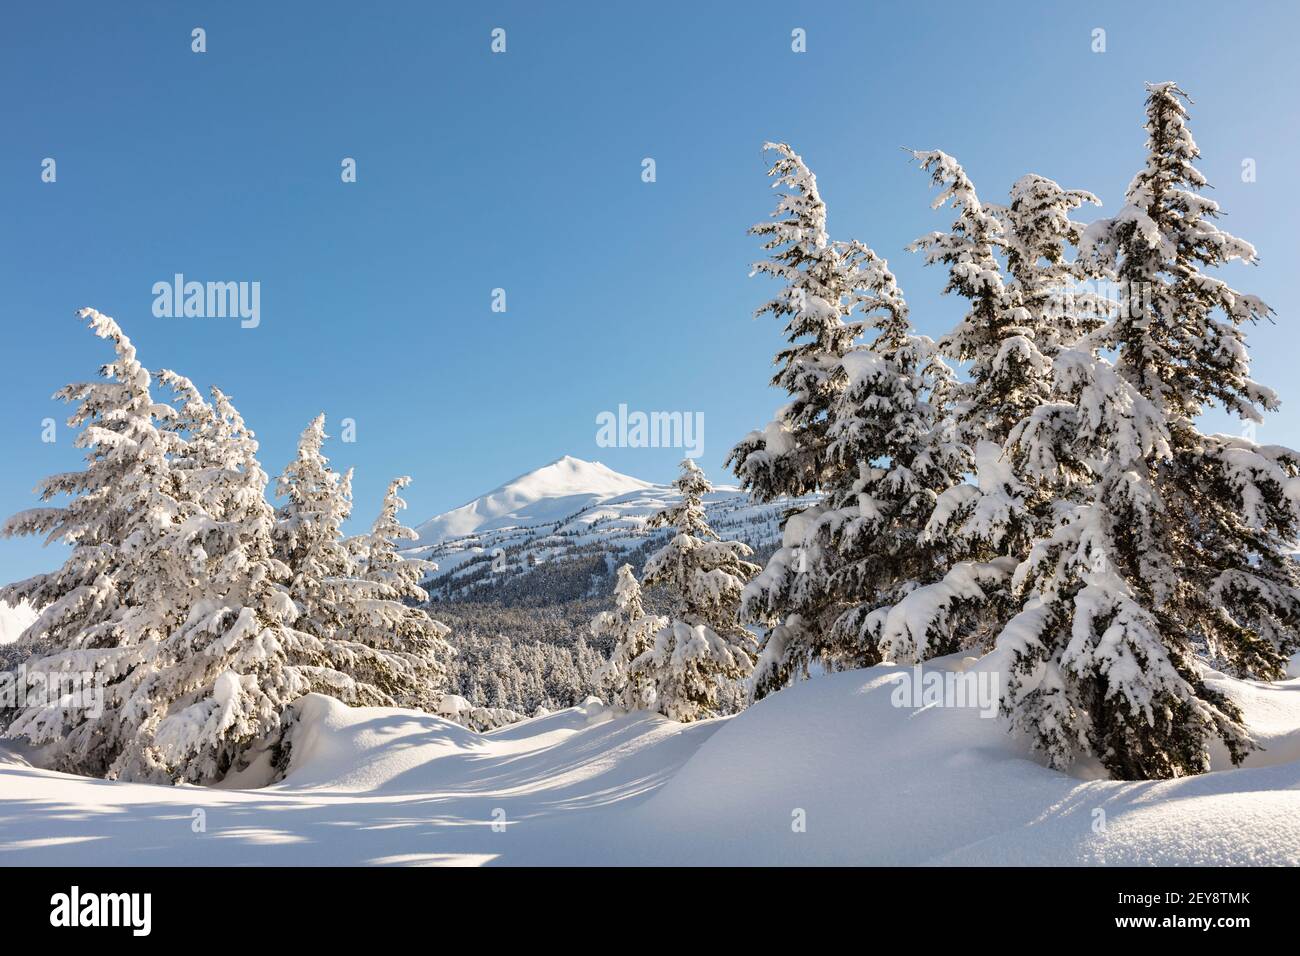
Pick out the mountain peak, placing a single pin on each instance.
(538, 497)
(582, 469)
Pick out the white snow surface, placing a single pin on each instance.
(876, 784)
(14, 620)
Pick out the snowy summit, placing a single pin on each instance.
(539, 497)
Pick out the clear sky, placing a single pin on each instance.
(523, 171)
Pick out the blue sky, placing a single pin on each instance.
(523, 171)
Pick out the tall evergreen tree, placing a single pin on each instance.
(415, 644)
(787, 457)
(351, 594)
(887, 458)
(823, 283)
(893, 425)
(703, 645)
(225, 676)
(1180, 546)
(121, 505)
(111, 600)
(1017, 320)
(1009, 375)
(975, 526)
(309, 536)
(632, 632)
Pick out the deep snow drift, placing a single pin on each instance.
(874, 783)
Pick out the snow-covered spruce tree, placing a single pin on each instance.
(1009, 376)
(789, 456)
(350, 593)
(1180, 548)
(893, 427)
(415, 644)
(786, 457)
(632, 632)
(703, 646)
(1015, 323)
(226, 674)
(1044, 281)
(976, 529)
(889, 456)
(308, 535)
(111, 601)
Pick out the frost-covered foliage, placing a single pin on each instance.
(1066, 508)
(859, 429)
(524, 659)
(309, 537)
(353, 595)
(631, 632)
(481, 720)
(223, 677)
(887, 459)
(1008, 374)
(786, 457)
(1178, 553)
(109, 604)
(122, 504)
(1043, 280)
(702, 650)
(412, 644)
(172, 617)
(1020, 315)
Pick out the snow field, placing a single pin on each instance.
(870, 782)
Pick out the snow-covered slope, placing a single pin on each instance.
(14, 620)
(541, 497)
(539, 525)
(872, 783)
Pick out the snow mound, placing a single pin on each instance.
(880, 784)
(380, 750)
(830, 771)
(360, 749)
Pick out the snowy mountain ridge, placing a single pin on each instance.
(540, 497)
(573, 520)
